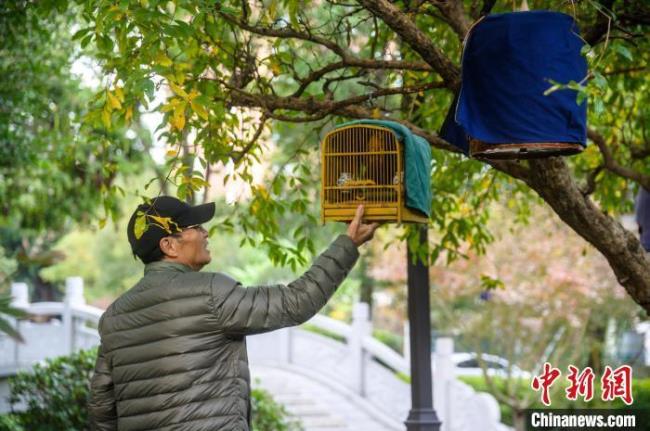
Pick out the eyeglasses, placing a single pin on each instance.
(198, 227)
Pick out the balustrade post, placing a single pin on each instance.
(361, 327)
(443, 374)
(74, 295)
(19, 295)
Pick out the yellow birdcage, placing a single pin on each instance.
(364, 164)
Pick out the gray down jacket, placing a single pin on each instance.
(173, 347)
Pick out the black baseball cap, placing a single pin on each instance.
(160, 217)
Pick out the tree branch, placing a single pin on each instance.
(362, 63)
(416, 39)
(453, 12)
(590, 185)
(318, 108)
(251, 143)
(594, 34)
(612, 165)
(285, 33)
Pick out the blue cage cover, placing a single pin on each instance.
(509, 61)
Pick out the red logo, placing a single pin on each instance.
(613, 384)
(582, 384)
(617, 384)
(545, 381)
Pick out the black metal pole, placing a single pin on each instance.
(422, 416)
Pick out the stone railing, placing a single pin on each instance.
(66, 327)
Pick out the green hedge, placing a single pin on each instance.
(640, 392)
(56, 393)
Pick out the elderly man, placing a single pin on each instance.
(173, 347)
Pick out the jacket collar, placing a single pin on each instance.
(161, 266)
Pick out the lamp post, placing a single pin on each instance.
(422, 416)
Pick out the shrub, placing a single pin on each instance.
(54, 393)
(10, 422)
(268, 415)
(53, 396)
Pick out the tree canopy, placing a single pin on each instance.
(235, 69)
(54, 167)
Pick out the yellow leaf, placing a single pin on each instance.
(165, 223)
(272, 9)
(178, 118)
(193, 94)
(196, 183)
(140, 226)
(171, 105)
(275, 69)
(129, 114)
(261, 191)
(106, 117)
(255, 207)
(112, 100)
(178, 90)
(102, 223)
(119, 93)
(172, 153)
(179, 77)
(376, 113)
(163, 60)
(200, 110)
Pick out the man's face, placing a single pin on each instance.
(192, 247)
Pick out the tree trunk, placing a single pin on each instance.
(518, 420)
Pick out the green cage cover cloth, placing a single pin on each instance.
(417, 164)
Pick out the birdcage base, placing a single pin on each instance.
(379, 214)
(481, 150)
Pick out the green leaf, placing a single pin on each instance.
(623, 51)
(599, 80)
(86, 40)
(81, 33)
(7, 328)
(599, 106)
(489, 283)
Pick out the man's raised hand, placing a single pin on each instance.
(358, 231)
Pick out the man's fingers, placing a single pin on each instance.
(359, 213)
(356, 221)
